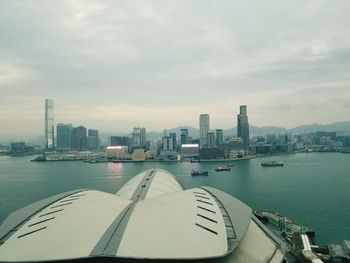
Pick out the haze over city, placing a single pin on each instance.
(159, 64)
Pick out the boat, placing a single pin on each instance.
(272, 163)
(195, 172)
(221, 169)
(39, 158)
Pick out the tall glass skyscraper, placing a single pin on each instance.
(243, 127)
(219, 137)
(49, 125)
(138, 138)
(63, 132)
(203, 130)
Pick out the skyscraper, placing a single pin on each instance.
(138, 138)
(120, 141)
(203, 130)
(49, 125)
(184, 136)
(64, 135)
(243, 126)
(219, 137)
(79, 138)
(92, 139)
(210, 140)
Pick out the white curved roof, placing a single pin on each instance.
(151, 217)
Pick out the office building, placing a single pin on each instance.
(184, 136)
(203, 130)
(219, 137)
(49, 125)
(64, 136)
(79, 138)
(243, 127)
(168, 143)
(138, 138)
(120, 141)
(92, 139)
(172, 135)
(210, 139)
(189, 150)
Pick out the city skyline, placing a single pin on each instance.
(118, 65)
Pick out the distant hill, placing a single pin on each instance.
(259, 131)
(343, 126)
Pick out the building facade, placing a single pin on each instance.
(92, 139)
(203, 130)
(210, 139)
(64, 136)
(138, 138)
(79, 138)
(184, 136)
(243, 127)
(219, 137)
(49, 125)
(120, 141)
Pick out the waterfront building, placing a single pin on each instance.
(119, 152)
(168, 143)
(92, 139)
(243, 127)
(120, 141)
(49, 125)
(203, 130)
(138, 138)
(79, 138)
(210, 140)
(64, 136)
(20, 148)
(172, 135)
(219, 137)
(211, 153)
(184, 136)
(189, 150)
(138, 155)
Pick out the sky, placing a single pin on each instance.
(115, 65)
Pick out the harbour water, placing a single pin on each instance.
(311, 188)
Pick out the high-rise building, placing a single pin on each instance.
(79, 138)
(49, 125)
(92, 139)
(184, 136)
(210, 140)
(64, 136)
(203, 130)
(172, 135)
(120, 141)
(243, 127)
(168, 143)
(143, 138)
(138, 138)
(219, 137)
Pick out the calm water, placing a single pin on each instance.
(313, 189)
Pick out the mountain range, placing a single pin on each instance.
(343, 127)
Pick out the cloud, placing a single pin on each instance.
(180, 58)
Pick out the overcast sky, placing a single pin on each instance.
(114, 65)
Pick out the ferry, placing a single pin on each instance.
(195, 172)
(221, 169)
(272, 163)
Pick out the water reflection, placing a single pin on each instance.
(115, 169)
